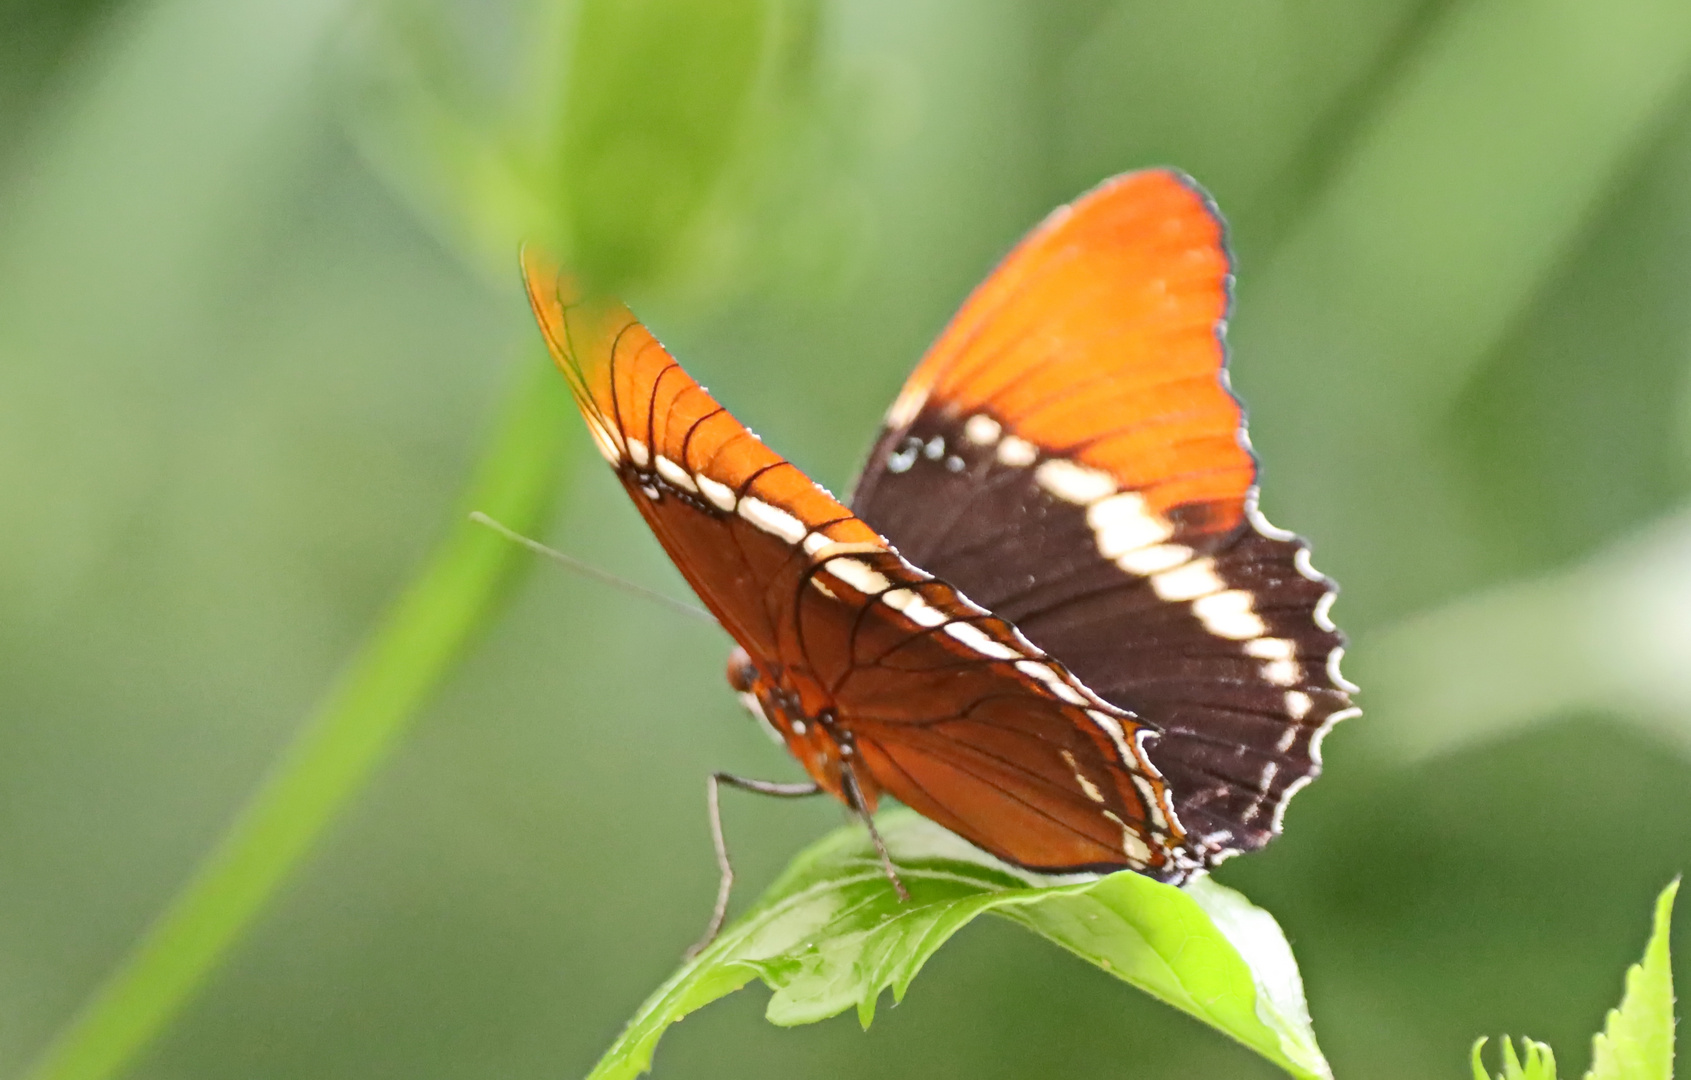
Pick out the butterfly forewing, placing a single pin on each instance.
(860, 654)
(1069, 455)
(729, 511)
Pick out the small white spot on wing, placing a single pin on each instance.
(1072, 482)
(676, 475)
(1270, 648)
(1282, 668)
(978, 640)
(1122, 523)
(1047, 676)
(911, 605)
(1192, 581)
(1086, 785)
(1269, 772)
(982, 430)
(1017, 453)
(900, 460)
(637, 453)
(1213, 841)
(1298, 705)
(1131, 845)
(858, 574)
(720, 495)
(1154, 560)
(1229, 615)
(772, 519)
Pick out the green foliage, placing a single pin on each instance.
(618, 136)
(407, 655)
(658, 96)
(238, 387)
(1535, 1063)
(831, 935)
(1637, 1041)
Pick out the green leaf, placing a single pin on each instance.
(1637, 1041)
(830, 935)
(1535, 1063)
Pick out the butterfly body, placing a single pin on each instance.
(1051, 619)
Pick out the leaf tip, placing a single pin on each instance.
(1534, 1061)
(1479, 1062)
(1636, 1042)
(1664, 907)
(866, 1008)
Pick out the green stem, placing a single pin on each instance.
(405, 658)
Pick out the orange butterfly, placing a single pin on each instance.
(1052, 619)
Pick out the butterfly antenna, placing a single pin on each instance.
(588, 570)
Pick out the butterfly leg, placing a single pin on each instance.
(725, 884)
(855, 794)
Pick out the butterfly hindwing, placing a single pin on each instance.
(1070, 456)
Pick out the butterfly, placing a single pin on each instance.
(1050, 617)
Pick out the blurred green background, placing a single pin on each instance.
(259, 315)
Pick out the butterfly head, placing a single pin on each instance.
(812, 735)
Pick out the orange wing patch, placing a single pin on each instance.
(644, 410)
(1099, 340)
